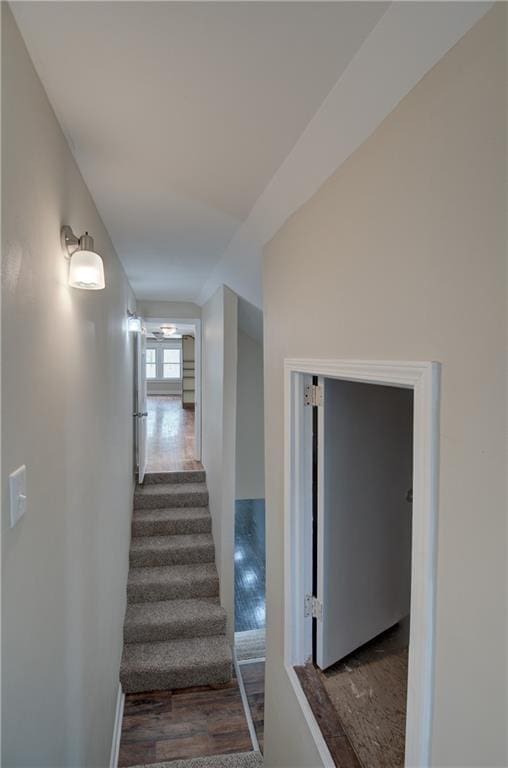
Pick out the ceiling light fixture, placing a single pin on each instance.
(86, 270)
(168, 330)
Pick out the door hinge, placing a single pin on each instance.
(313, 395)
(313, 607)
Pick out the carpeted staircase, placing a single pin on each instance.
(174, 631)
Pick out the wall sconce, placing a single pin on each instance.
(86, 269)
(134, 322)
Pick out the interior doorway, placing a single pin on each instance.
(250, 538)
(362, 493)
(361, 448)
(169, 373)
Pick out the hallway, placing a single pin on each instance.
(170, 435)
(220, 222)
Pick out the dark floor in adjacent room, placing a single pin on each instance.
(249, 565)
(250, 605)
(192, 722)
(360, 702)
(170, 435)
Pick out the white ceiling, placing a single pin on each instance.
(179, 114)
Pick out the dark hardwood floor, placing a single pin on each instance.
(173, 725)
(253, 676)
(249, 564)
(170, 435)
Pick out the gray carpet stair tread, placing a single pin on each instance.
(236, 760)
(169, 619)
(172, 550)
(181, 663)
(185, 476)
(173, 520)
(170, 495)
(173, 581)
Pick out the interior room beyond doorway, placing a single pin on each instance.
(171, 397)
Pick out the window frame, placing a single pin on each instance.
(160, 347)
(150, 362)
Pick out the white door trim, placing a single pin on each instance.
(117, 728)
(423, 378)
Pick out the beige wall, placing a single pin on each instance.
(179, 310)
(164, 388)
(219, 356)
(67, 405)
(401, 255)
(250, 480)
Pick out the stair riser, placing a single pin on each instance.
(136, 682)
(180, 499)
(140, 593)
(143, 633)
(197, 476)
(171, 527)
(181, 556)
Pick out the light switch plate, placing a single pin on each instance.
(17, 488)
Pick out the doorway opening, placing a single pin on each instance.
(171, 396)
(168, 384)
(360, 506)
(250, 539)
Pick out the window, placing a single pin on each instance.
(163, 362)
(171, 364)
(151, 363)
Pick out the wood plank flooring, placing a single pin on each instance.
(170, 435)
(253, 676)
(192, 722)
(249, 564)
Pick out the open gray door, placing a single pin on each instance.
(365, 459)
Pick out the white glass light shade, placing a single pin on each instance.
(86, 271)
(135, 324)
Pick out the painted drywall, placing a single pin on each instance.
(164, 387)
(67, 414)
(407, 243)
(250, 452)
(219, 356)
(406, 42)
(181, 310)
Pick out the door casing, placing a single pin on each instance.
(423, 378)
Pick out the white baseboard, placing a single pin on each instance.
(117, 728)
(246, 707)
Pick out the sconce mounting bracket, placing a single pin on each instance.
(70, 242)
